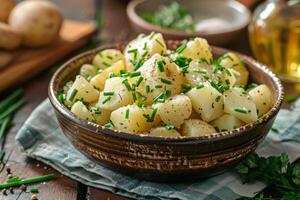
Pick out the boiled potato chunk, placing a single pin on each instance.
(263, 98)
(115, 94)
(81, 111)
(101, 116)
(206, 101)
(107, 57)
(230, 60)
(239, 105)
(227, 122)
(164, 132)
(82, 90)
(132, 119)
(175, 110)
(98, 80)
(143, 47)
(196, 127)
(158, 81)
(88, 70)
(196, 49)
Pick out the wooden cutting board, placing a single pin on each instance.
(28, 62)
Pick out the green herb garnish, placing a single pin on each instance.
(127, 113)
(160, 65)
(73, 94)
(181, 48)
(166, 81)
(242, 110)
(108, 93)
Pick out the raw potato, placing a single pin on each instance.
(263, 99)
(151, 44)
(206, 101)
(234, 101)
(107, 57)
(87, 70)
(197, 49)
(5, 58)
(230, 60)
(5, 8)
(121, 96)
(196, 127)
(153, 77)
(227, 122)
(9, 37)
(85, 91)
(38, 21)
(98, 81)
(175, 110)
(80, 110)
(136, 122)
(163, 132)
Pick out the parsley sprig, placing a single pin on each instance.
(275, 171)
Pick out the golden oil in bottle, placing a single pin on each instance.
(274, 34)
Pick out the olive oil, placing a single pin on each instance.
(274, 34)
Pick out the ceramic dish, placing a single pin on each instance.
(234, 13)
(159, 158)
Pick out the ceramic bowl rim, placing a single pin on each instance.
(224, 135)
(135, 18)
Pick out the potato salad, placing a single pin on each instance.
(151, 90)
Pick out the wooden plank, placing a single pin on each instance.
(61, 187)
(27, 62)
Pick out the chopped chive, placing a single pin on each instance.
(185, 87)
(111, 75)
(138, 64)
(134, 51)
(106, 100)
(242, 110)
(109, 57)
(228, 72)
(153, 114)
(73, 94)
(218, 98)
(139, 81)
(108, 93)
(27, 181)
(96, 110)
(13, 179)
(4, 126)
(168, 93)
(151, 35)
(199, 86)
(181, 48)
(160, 65)
(166, 81)
(105, 64)
(141, 96)
(133, 96)
(170, 127)
(61, 97)
(145, 53)
(134, 74)
(227, 82)
(159, 98)
(158, 42)
(252, 85)
(127, 113)
(158, 86)
(147, 89)
(275, 130)
(127, 85)
(145, 46)
(203, 60)
(10, 99)
(109, 124)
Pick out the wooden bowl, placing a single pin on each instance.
(159, 158)
(233, 12)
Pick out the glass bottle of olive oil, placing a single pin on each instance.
(274, 34)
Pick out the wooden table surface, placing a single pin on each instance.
(63, 188)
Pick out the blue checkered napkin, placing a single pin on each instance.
(41, 138)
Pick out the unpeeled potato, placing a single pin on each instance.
(5, 8)
(38, 21)
(9, 37)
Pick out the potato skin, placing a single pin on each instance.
(5, 8)
(38, 21)
(9, 37)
